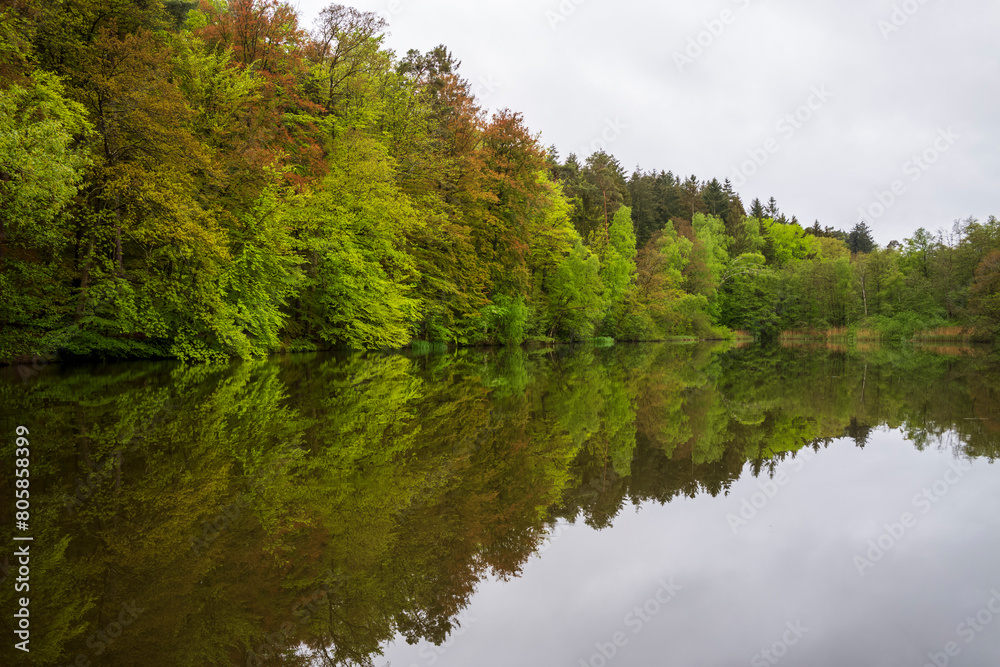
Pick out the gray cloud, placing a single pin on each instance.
(572, 66)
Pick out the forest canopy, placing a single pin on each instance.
(209, 180)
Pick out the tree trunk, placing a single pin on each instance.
(607, 235)
(119, 268)
(85, 279)
(864, 295)
(5, 178)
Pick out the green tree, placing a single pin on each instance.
(352, 234)
(575, 295)
(600, 190)
(985, 294)
(40, 168)
(40, 171)
(860, 239)
(618, 269)
(789, 243)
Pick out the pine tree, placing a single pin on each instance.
(772, 209)
(715, 198)
(860, 239)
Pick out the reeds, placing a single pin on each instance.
(949, 334)
(833, 333)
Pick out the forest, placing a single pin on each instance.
(208, 180)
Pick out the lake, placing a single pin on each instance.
(634, 505)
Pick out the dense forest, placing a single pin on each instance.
(208, 180)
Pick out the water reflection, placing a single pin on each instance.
(312, 509)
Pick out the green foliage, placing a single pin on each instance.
(902, 326)
(353, 232)
(503, 322)
(985, 300)
(422, 347)
(748, 238)
(789, 243)
(860, 239)
(575, 295)
(747, 303)
(260, 278)
(40, 167)
(209, 181)
(618, 271)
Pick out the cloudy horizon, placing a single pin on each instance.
(836, 109)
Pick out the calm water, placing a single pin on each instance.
(631, 506)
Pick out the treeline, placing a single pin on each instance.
(707, 261)
(212, 180)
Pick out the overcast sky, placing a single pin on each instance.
(713, 89)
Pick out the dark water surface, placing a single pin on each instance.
(632, 506)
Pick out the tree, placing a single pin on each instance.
(644, 214)
(40, 168)
(283, 125)
(353, 232)
(691, 199)
(984, 299)
(575, 294)
(655, 200)
(748, 237)
(772, 209)
(263, 34)
(716, 199)
(343, 44)
(511, 163)
(261, 277)
(734, 211)
(709, 253)
(860, 239)
(618, 269)
(789, 243)
(660, 281)
(145, 137)
(601, 190)
(748, 300)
